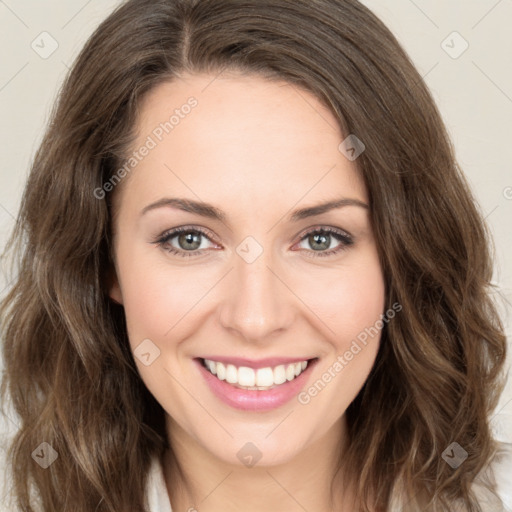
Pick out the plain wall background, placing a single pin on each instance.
(473, 92)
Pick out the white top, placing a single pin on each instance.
(158, 498)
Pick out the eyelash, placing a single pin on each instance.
(345, 239)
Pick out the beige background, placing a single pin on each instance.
(473, 90)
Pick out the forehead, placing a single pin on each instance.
(239, 134)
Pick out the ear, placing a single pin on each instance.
(114, 290)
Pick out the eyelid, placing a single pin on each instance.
(180, 229)
(323, 228)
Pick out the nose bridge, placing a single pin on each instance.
(255, 303)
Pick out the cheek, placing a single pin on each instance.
(350, 303)
(356, 309)
(155, 299)
(347, 300)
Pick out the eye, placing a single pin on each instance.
(322, 241)
(187, 241)
(184, 241)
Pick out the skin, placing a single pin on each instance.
(257, 150)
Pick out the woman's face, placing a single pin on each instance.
(261, 277)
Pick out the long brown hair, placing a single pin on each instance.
(69, 371)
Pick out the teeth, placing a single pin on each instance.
(212, 367)
(221, 371)
(264, 377)
(231, 374)
(280, 374)
(261, 379)
(246, 377)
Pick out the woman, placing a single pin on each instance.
(252, 275)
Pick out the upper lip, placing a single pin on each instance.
(256, 363)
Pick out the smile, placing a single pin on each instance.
(255, 389)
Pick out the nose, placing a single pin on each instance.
(257, 304)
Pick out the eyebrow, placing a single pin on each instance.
(212, 212)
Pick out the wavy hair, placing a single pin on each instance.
(69, 371)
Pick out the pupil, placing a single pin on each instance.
(189, 240)
(321, 239)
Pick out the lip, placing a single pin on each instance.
(255, 400)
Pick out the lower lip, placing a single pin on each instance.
(255, 400)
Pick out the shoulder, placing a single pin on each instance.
(156, 490)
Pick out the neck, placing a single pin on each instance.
(197, 480)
